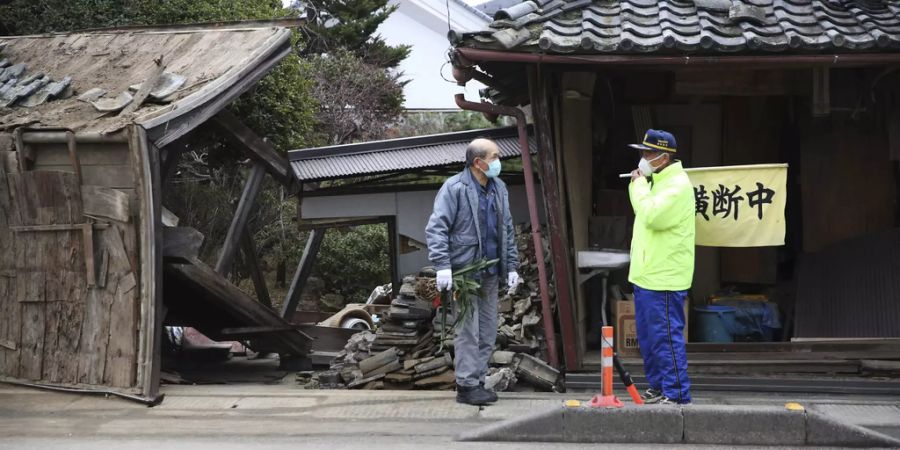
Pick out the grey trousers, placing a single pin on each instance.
(476, 335)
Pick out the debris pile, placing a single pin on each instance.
(520, 327)
(405, 351)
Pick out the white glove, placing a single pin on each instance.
(512, 280)
(444, 279)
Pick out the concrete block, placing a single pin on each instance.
(659, 424)
(823, 429)
(743, 425)
(542, 426)
(649, 424)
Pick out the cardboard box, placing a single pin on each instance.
(626, 343)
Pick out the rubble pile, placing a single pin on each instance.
(405, 351)
(520, 327)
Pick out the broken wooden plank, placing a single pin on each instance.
(245, 206)
(182, 242)
(148, 85)
(169, 218)
(256, 147)
(87, 234)
(304, 269)
(251, 258)
(108, 203)
(60, 227)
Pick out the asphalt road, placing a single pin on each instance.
(283, 416)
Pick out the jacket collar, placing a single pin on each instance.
(671, 171)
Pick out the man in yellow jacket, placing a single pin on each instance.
(662, 265)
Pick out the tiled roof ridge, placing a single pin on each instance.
(644, 26)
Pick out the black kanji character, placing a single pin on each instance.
(726, 200)
(701, 201)
(762, 195)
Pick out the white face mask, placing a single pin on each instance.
(646, 168)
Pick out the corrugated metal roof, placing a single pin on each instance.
(645, 26)
(398, 155)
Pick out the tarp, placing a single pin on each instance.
(740, 206)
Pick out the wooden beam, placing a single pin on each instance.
(313, 243)
(540, 94)
(241, 217)
(248, 248)
(197, 279)
(311, 224)
(256, 147)
(251, 331)
(393, 252)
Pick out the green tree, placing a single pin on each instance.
(29, 16)
(351, 25)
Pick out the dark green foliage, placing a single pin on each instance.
(31, 17)
(354, 260)
(352, 24)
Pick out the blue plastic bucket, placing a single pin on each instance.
(714, 323)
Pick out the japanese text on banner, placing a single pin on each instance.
(740, 206)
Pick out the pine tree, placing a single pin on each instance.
(351, 25)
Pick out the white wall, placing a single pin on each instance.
(423, 25)
(411, 209)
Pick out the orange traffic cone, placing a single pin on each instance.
(606, 399)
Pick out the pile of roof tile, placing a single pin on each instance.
(19, 88)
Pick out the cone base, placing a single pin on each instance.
(606, 401)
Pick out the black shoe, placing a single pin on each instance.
(651, 396)
(670, 401)
(472, 395)
(492, 396)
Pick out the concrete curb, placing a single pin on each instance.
(695, 424)
(824, 429)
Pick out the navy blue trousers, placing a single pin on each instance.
(659, 317)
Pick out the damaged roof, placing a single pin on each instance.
(397, 155)
(702, 26)
(206, 68)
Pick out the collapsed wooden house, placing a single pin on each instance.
(84, 255)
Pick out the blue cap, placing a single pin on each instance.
(657, 140)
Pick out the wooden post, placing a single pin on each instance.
(393, 253)
(248, 248)
(313, 243)
(241, 217)
(540, 93)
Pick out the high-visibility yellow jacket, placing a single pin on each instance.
(662, 245)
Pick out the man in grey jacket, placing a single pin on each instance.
(471, 221)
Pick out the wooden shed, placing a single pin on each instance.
(81, 234)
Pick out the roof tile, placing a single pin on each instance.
(642, 26)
